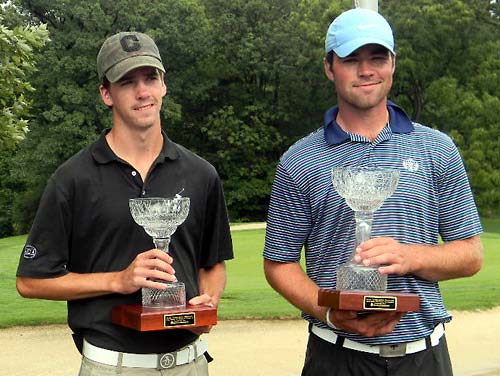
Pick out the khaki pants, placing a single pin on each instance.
(198, 367)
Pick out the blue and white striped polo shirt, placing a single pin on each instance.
(433, 198)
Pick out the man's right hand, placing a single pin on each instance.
(369, 325)
(147, 267)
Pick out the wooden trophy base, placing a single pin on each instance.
(369, 300)
(147, 319)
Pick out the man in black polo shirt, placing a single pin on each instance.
(84, 246)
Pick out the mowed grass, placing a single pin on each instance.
(247, 294)
(15, 310)
(482, 290)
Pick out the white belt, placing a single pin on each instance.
(158, 361)
(390, 350)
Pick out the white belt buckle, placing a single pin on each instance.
(392, 351)
(180, 357)
(166, 361)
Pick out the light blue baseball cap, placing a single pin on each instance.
(356, 28)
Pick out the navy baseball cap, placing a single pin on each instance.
(356, 28)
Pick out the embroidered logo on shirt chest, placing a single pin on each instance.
(411, 165)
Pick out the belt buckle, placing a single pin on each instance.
(392, 351)
(167, 360)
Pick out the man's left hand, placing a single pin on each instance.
(392, 256)
(205, 300)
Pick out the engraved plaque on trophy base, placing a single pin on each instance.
(355, 300)
(147, 319)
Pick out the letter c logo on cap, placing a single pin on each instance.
(130, 43)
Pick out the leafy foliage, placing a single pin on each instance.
(18, 45)
(247, 149)
(246, 80)
(448, 76)
(17, 60)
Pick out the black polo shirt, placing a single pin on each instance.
(84, 225)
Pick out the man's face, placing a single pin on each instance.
(364, 78)
(136, 98)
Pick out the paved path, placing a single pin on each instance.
(248, 226)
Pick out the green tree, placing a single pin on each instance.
(18, 59)
(246, 153)
(475, 128)
(448, 77)
(267, 59)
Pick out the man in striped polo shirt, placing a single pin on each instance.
(433, 199)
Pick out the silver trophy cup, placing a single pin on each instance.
(364, 190)
(160, 217)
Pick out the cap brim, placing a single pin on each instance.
(348, 48)
(123, 67)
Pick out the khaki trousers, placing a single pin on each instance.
(198, 367)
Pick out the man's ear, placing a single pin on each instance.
(164, 89)
(328, 70)
(105, 96)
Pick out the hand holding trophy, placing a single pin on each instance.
(359, 287)
(162, 308)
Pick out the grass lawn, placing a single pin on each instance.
(15, 310)
(483, 289)
(247, 294)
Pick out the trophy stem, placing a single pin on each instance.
(174, 294)
(162, 243)
(351, 276)
(364, 220)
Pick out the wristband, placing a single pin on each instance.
(328, 322)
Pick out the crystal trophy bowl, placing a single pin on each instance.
(160, 217)
(364, 190)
